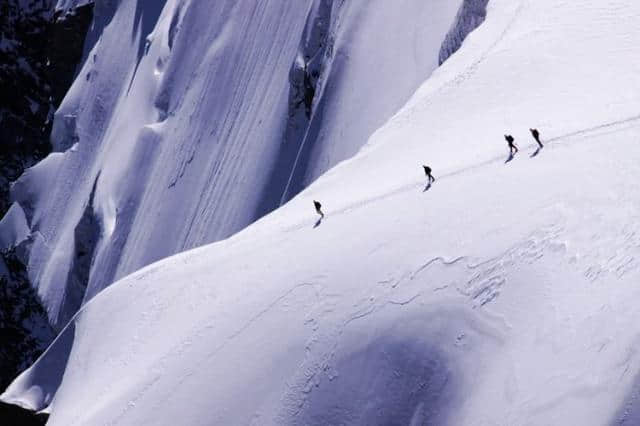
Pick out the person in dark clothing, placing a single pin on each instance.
(318, 207)
(512, 147)
(536, 136)
(427, 172)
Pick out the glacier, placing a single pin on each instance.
(503, 294)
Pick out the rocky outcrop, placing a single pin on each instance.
(25, 331)
(25, 111)
(40, 50)
(471, 14)
(68, 32)
(307, 75)
(15, 415)
(39, 53)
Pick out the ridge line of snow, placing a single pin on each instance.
(492, 160)
(459, 77)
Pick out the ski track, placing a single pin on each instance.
(453, 82)
(497, 159)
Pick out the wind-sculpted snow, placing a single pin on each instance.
(186, 110)
(511, 325)
(505, 293)
(404, 370)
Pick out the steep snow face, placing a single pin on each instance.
(372, 59)
(505, 293)
(186, 110)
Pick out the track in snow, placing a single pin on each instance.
(404, 188)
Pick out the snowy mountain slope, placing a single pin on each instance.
(504, 294)
(526, 319)
(368, 79)
(183, 125)
(39, 52)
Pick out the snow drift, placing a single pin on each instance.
(504, 293)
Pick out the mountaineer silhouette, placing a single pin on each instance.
(318, 207)
(427, 172)
(512, 147)
(536, 136)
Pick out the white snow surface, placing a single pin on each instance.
(505, 294)
(178, 118)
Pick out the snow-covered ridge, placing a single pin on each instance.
(187, 112)
(503, 294)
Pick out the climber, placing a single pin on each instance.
(318, 207)
(427, 172)
(536, 136)
(512, 147)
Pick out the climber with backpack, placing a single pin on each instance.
(427, 172)
(536, 136)
(318, 207)
(513, 149)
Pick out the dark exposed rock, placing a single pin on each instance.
(307, 75)
(25, 107)
(39, 55)
(25, 331)
(12, 415)
(68, 33)
(40, 51)
(472, 13)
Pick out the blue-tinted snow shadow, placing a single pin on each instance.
(48, 371)
(145, 18)
(509, 158)
(427, 187)
(394, 380)
(318, 223)
(628, 413)
(536, 152)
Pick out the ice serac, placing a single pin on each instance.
(202, 116)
